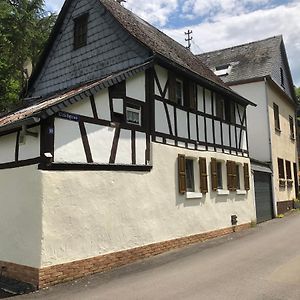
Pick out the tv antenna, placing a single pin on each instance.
(189, 39)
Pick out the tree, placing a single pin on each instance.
(297, 90)
(24, 29)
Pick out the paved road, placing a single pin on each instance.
(260, 263)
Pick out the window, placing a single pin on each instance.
(281, 168)
(276, 116)
(223, 70)
(229, 112)
(288, 169)
(292, 132)
(219, 175)
(281, 77)
(80, 31)
(189, 169)
(133, 116)
(193, 96)
(179, 91)
(219, 107)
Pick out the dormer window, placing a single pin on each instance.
(80, 31)
(223, 70)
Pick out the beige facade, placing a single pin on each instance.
(284, 145)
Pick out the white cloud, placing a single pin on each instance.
(247, 27)
(155, 11)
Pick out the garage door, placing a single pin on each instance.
(263, 196)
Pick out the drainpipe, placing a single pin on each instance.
(270, 146)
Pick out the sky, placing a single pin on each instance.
(218, 24)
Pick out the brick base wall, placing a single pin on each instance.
(284, 206)
(69, 271)
(20, 272)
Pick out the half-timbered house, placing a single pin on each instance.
(260, 71)
(127, 146)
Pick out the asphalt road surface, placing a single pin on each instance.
(259, 263)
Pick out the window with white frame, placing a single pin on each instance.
(190, 180)
(220, 175)
(133, 115)
(179, 91)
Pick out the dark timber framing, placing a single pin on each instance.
(235, 141)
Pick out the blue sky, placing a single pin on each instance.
(218, 24)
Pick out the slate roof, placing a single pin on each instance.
(159, 42)
(252, 60)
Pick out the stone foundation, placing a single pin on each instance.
(49, 276)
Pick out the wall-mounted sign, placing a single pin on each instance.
(68, 116)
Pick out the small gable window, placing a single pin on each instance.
(281, 77)
(179, 91)
(133, 116)
(80, 31)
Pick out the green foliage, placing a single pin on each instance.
(24, 29)
(297, 90)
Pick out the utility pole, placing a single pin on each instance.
(120, 1)
(189, 38)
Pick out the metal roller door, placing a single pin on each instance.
(263, 196)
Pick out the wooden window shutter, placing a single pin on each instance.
(246, 177)
(203, 175)
(214, 175)
(181, 174)
(234, 177)
(172, 87)
(229, 175)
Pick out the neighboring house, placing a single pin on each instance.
(260, 72)
(128, 146)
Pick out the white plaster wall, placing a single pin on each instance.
(102, 105)
(200, 98)
(162, 75)
(100, 141)
(31, 147)
(21, 216)
(123, 155)
(93, 213)
(68, 146)
(182, 125)
(135, 87)
(8, 147)
(201, 128)
(161, 123)
(257, 120)
(82, 107)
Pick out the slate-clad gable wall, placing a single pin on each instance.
(109, 49)
(276, 75)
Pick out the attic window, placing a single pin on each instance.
(80, 31)
(223, 70)
(281, 77)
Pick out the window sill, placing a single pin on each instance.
(193, 195)
(222, 192)
(277, 130)
(241, 192)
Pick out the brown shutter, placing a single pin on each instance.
(234, 177)
(203, 175)
(172, 87)
(181, 174)
(246, 177)
(229, 175)
(214, 176)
